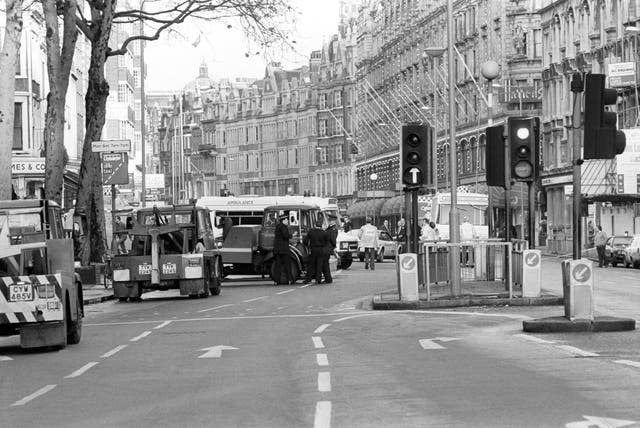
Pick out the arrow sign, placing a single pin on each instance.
(595, 421)
(215, 351)
(412, 176)
(3, 358)
(431, 343)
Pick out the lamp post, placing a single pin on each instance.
(142, 110)
(491, 70)
(373, 177)
(435, 53)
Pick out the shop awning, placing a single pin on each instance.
(393, 206)
(355, 210)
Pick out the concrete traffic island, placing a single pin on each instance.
(561, 324)
(391, 301)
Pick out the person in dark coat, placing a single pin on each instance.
(281, 251)
(227, 224)
(329, 248)
(316, 240)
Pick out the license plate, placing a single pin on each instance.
(144, 269)
(169, 268)
(20, 293)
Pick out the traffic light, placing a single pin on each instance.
(415, 155)
(602, 140)
(494, 157)
(524, 144)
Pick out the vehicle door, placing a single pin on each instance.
(608, 248)
(387, 243)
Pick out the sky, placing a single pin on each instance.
(174, 59)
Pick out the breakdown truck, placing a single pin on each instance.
(248, 249)
(40, 295)
(164, 254)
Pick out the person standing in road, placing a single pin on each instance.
(401, 237)
(316, 239)
(600, 240)
(330, 247)
(347, 224)
(281, 251)
(386, 228)
(369, 240)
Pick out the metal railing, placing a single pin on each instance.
(519, 245)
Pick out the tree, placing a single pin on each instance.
(260, 20)
(59, 63)
(8, 63)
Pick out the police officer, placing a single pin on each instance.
(330, 246)
(317, 239)
(281, 251)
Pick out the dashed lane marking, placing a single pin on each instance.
(257, 298)
(322, 360)
(628, 363)
(323, 415)
(286, 291)
(324, 382)
(113, 351)
(35, 395)
(214, 308)
(317, 342)
(322, 328)
(164, 324)
(140, 336)
(81, 370)
(576, 351)
(304, 286)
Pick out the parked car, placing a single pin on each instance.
(632, 253)
(386, 247)
(614, 249)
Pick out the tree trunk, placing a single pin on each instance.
(8, 58)
(59, 69)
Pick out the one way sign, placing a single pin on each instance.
(115, 167)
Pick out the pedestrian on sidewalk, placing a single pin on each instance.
(600, 241)
(368, 236)
(316, 239)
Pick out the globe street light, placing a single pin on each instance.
(491, 70)
(373, 177)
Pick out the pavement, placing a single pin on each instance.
(96, 293)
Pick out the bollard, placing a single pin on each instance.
(531, 273)
(577, 285)
(408, 276)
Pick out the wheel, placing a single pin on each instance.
(74, 328)
(216, 278)
(380, 257)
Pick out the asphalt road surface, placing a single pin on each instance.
(260, 355)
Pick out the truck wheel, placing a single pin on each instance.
(74, 328)
(216, 278)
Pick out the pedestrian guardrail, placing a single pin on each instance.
(519, 246)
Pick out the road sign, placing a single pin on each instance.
(622, 74)
(115, 168)
(408, 277)
(412, 176)
(531, 273)
(577, 283)
(111, 146)
(581, 272)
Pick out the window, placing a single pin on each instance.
(17, 126)
(322, 128)
(537, 43)
(122, 92)
(337, 98)
(637, 183)
(620, 183)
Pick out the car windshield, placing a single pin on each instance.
(622, 240)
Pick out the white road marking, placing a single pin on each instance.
(287, 291)
(534, 339)
(322, 359)
(323, 415)
(36, 394)
(431, 344)
(324, 382)
(215, 351)
(5, 358)
(628, 363)
(164, 324)
(113, 351)
(322, 328)
(354, 316)
(317, 342)
(140, 336)
(257, 298)
(214, 308)
(304, 286)
(576, 351)
(81, 370)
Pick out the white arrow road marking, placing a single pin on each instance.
(576, 351)
(322, 359)
(81, 370)
(628, 363)
(36, 394)
(323, 415)
(113, 351)
(3, 358)
(317, 342)
(596, 421)
(215, 351)
(431, 344)
(324, 382)
(140, 336)
(322, 328)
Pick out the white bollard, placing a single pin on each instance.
(408, 275)
(577, 282)
(531, 273)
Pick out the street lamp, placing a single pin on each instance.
(373, 177)
(491, 70)
(435, 53)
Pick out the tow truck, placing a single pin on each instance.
(163, 254)
(40, 295)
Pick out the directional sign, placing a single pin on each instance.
(408, 264)
(581, 272)
(412, 176)
(599, 422)
(532, 259)
(111, 146)
(115, 168)
(431, 343)
(215, 351)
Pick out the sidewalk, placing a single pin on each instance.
(96, 293)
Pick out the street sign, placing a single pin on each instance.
(115, 168)
(408, 277)
(581, 272)
(111, 146)
(622, 74)
(577, 283)
(412, 176)
(531, 273)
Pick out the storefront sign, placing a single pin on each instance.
(27, 166)
(561, 179)
(622, 74)
(525, 94)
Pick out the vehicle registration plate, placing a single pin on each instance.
(20, 293)
(144, 269)
(169, 268)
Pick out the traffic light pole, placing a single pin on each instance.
(532, 215)
(576, 88)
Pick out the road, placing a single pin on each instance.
(260, 355)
